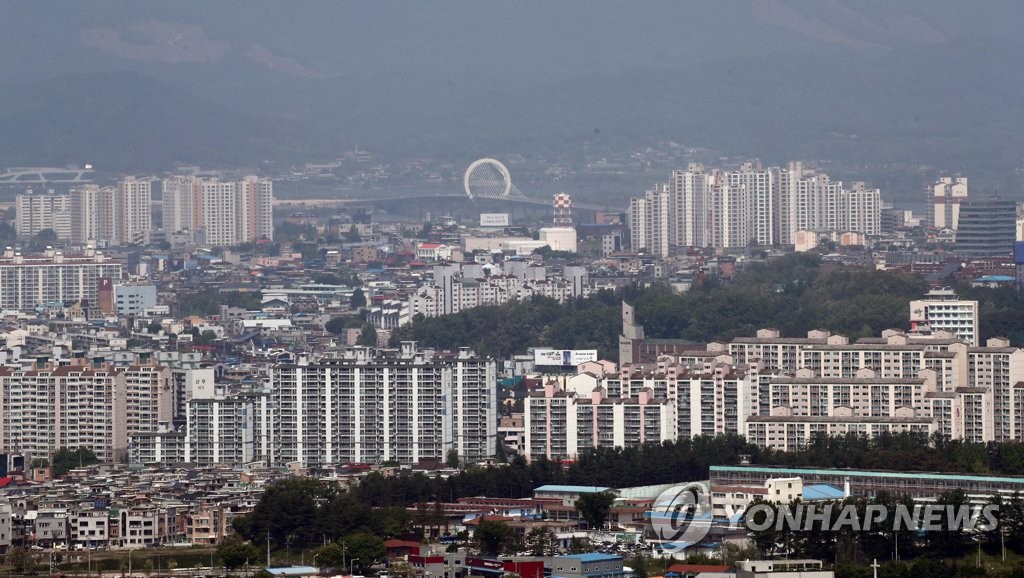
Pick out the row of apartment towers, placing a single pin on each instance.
(752, 205)
(225, 212)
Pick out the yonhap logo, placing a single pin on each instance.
(681, 516)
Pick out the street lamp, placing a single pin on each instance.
(351, 563)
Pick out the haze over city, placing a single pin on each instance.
(458, 289)
(892, 92)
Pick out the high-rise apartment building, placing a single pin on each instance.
(29, 281)
(687, 202)
(134, 206)
(225, 212)
(761, 187)
(120, 215)
(366, 405)
(863, 210)
(219, 428)
(81, 405)
(35, 213)
(729, 220)
(947, 194)
(50, 408)
(563, 424)
(652, 217)
(730, 209)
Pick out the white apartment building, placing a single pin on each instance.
(64, 407)
(780, 391)
(225, 212)
(219, 428)
(863, 210)
(255, 204)
(164, 446)
(729, 221)
(456, 287)
(120, 215)
(760, 187)
(649, 220)
(28, 281)
(134, 202)
(149, 397)
(729, 209)
(72, 406)
(940, 310)
(947, 194)
(35, 213)
(561, 424)
(687, 206)
(369, 406)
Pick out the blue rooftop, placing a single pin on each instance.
(593, 557)
(572, 489)
(822, 492)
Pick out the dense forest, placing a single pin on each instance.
(794, 294)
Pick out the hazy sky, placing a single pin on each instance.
(868, 81)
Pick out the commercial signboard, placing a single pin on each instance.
(564, 357)
(493, 219)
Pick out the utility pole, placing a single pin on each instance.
(268, 549)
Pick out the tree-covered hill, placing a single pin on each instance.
(793, 294)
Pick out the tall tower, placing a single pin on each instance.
(562, 215)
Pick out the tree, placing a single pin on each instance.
(365, 549)
(492, 537)
(358, 299)
(640, 566)
(579, 546)
(234, 553)
(327, 279)
(66, 459)
(331, 556)
(368, 336)
(43, 239)
(541, 542)
(20, 560)
(205, 338)
(452, 458)
(595, 507)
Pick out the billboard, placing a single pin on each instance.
(493, 219)
(563, 356)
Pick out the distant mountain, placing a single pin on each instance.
(127, 121)
(871, 84)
